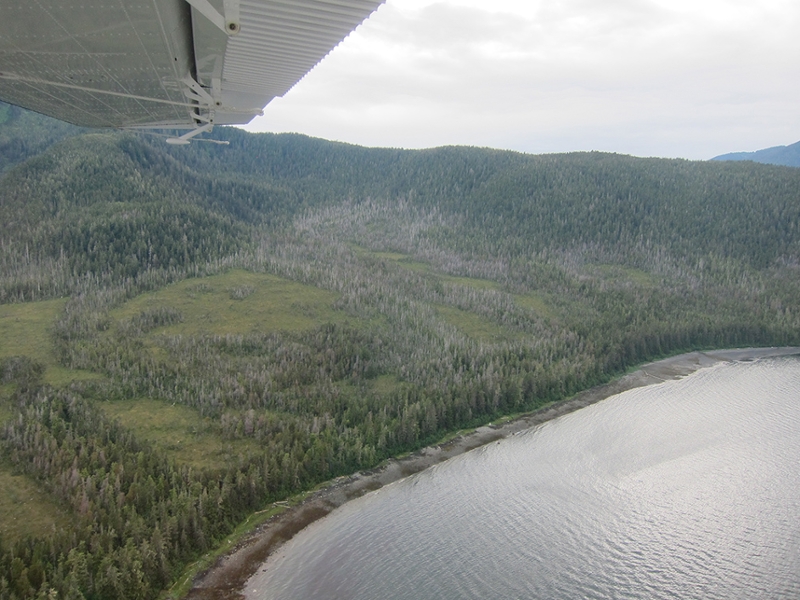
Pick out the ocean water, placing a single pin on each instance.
(686, 489)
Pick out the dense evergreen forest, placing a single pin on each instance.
(415, 293)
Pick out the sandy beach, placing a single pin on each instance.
(227, 576)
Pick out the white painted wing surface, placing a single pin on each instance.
(164, 63)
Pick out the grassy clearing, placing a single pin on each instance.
(405, 261)
(25, 331)
(25, 509)
(472, 282)
(536, 303)
(622, 274)
(385, 384)
(393, 256)
(180, 431)
(416, 266)
(641, 277)
(475, 326)
(59, 376)
(478, 284)
(381, 385)
(238, 302)
(532, 301)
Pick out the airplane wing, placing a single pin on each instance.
(164, 63)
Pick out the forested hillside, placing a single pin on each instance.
(219, 327)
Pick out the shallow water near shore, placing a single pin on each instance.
(686, 489)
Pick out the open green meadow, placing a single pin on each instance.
(237, 302)
(180, 431)
(25, 509)
(25, 331)
(475, 326)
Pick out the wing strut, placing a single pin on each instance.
(187, 137)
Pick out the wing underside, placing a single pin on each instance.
(164, 63)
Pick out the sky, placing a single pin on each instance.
(670, 78)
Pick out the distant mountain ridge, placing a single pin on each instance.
(787, 156)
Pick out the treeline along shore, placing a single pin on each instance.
(191, 335)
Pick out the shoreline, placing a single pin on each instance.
(226, 578)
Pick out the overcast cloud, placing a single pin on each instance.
(677, 78)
